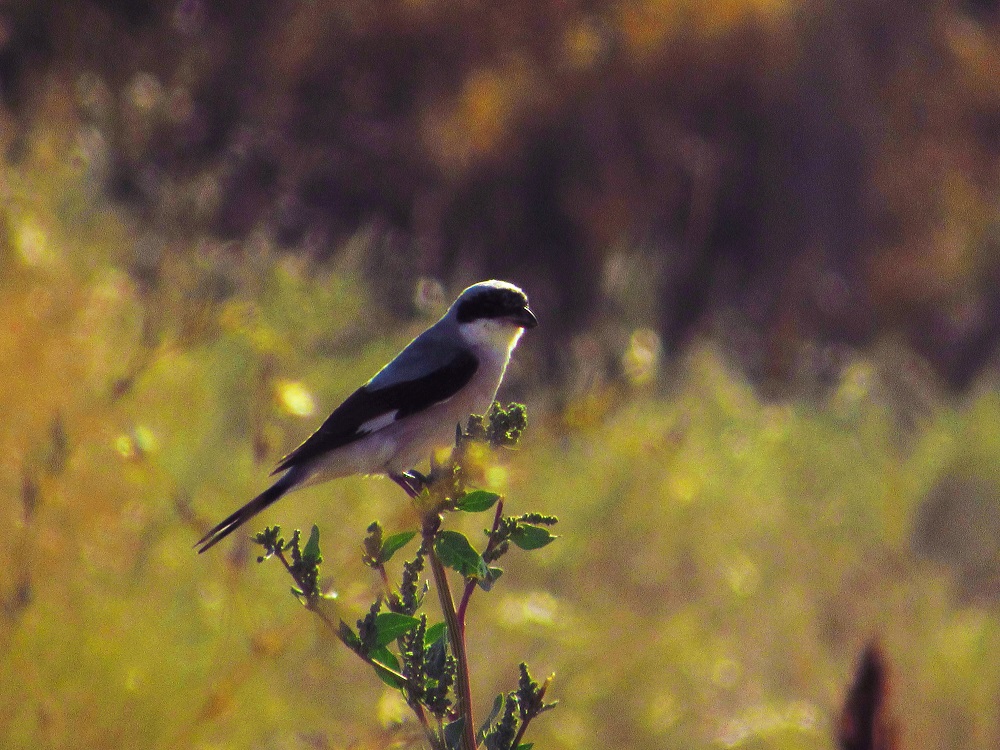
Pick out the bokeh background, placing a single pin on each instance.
(763, 239)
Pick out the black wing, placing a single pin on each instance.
(368, 403)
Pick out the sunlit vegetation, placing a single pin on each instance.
(761, 237)
(416, 648)
(723, 559)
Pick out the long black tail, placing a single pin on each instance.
(248, 511)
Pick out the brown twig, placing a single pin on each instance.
(456, 634)
(470, 586)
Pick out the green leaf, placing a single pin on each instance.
(435, 659)
(390, 625)
(349, 636)
(457, 553)
(393, 544)
(453, 733)
(526, 746)
(494, 715)
(311, 552)
(530, 537)
(435, 632)
(491, 577)
(382, 658)
(476, 502)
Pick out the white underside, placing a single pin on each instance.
(395, 446)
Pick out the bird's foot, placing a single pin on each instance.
(422, 479)
(412, 482)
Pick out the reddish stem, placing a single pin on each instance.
(470, 586)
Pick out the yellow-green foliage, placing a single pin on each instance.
(722, 558)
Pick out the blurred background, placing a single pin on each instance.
(763, 239)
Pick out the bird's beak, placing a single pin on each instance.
(525, 318)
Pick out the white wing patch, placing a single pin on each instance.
(377, 423)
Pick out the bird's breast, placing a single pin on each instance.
(418, 435)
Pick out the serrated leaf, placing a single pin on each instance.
(477, 501)
(436, 659)
(457, 553)
(492, 575)
(349, 636)
(494, 714)
(393, 544)
(382, 658)
(390, 625)
(311, 552)
(453, 733)
(436, 631)
(530, 537)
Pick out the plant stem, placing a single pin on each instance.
(470, 586)
(313, 605)
(385, 579)
(437, 743)
(520, 733)
(537, 707)
(456, 635)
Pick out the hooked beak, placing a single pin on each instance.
(524, 318)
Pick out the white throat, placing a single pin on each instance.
(492, 336)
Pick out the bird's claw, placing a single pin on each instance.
(412, 482)
(422, 479)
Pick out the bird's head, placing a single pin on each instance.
(492, 313)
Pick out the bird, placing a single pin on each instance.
(411, 406)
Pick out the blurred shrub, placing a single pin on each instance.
(770, 176)
(723, 559)
(823, 169)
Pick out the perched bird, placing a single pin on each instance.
(412, 405)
